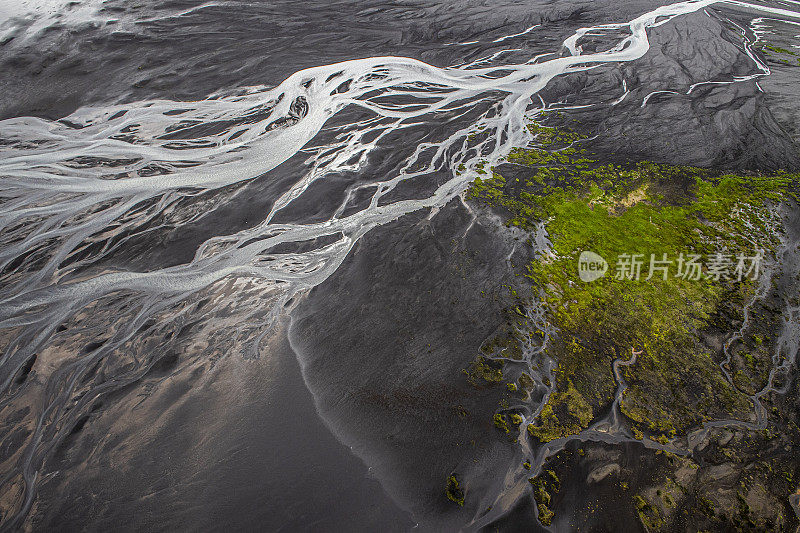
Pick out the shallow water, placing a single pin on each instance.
(181, 178)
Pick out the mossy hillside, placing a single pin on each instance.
(661, 318)
(645, 209)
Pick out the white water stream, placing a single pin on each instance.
(107, 172)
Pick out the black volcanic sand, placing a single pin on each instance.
(170, 50)
(239, 448)
(383, 343)
(724, 125)
(179, 50)
(590, 498)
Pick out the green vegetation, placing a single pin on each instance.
(779, 50)
(541, 494)
(505, 422)
(501, 422)
(454, 492)
(675, 325)
(565, 413)
(769, 50)
(652, 210)
(485, 370)
(544, 486)
(649, 514)
(505, 342)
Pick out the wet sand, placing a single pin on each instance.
(241, 449)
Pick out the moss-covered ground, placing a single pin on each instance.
(674, 322)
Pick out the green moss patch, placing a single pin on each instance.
(672, 322)
(545, 486)
(454, 491)
(565, 413)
